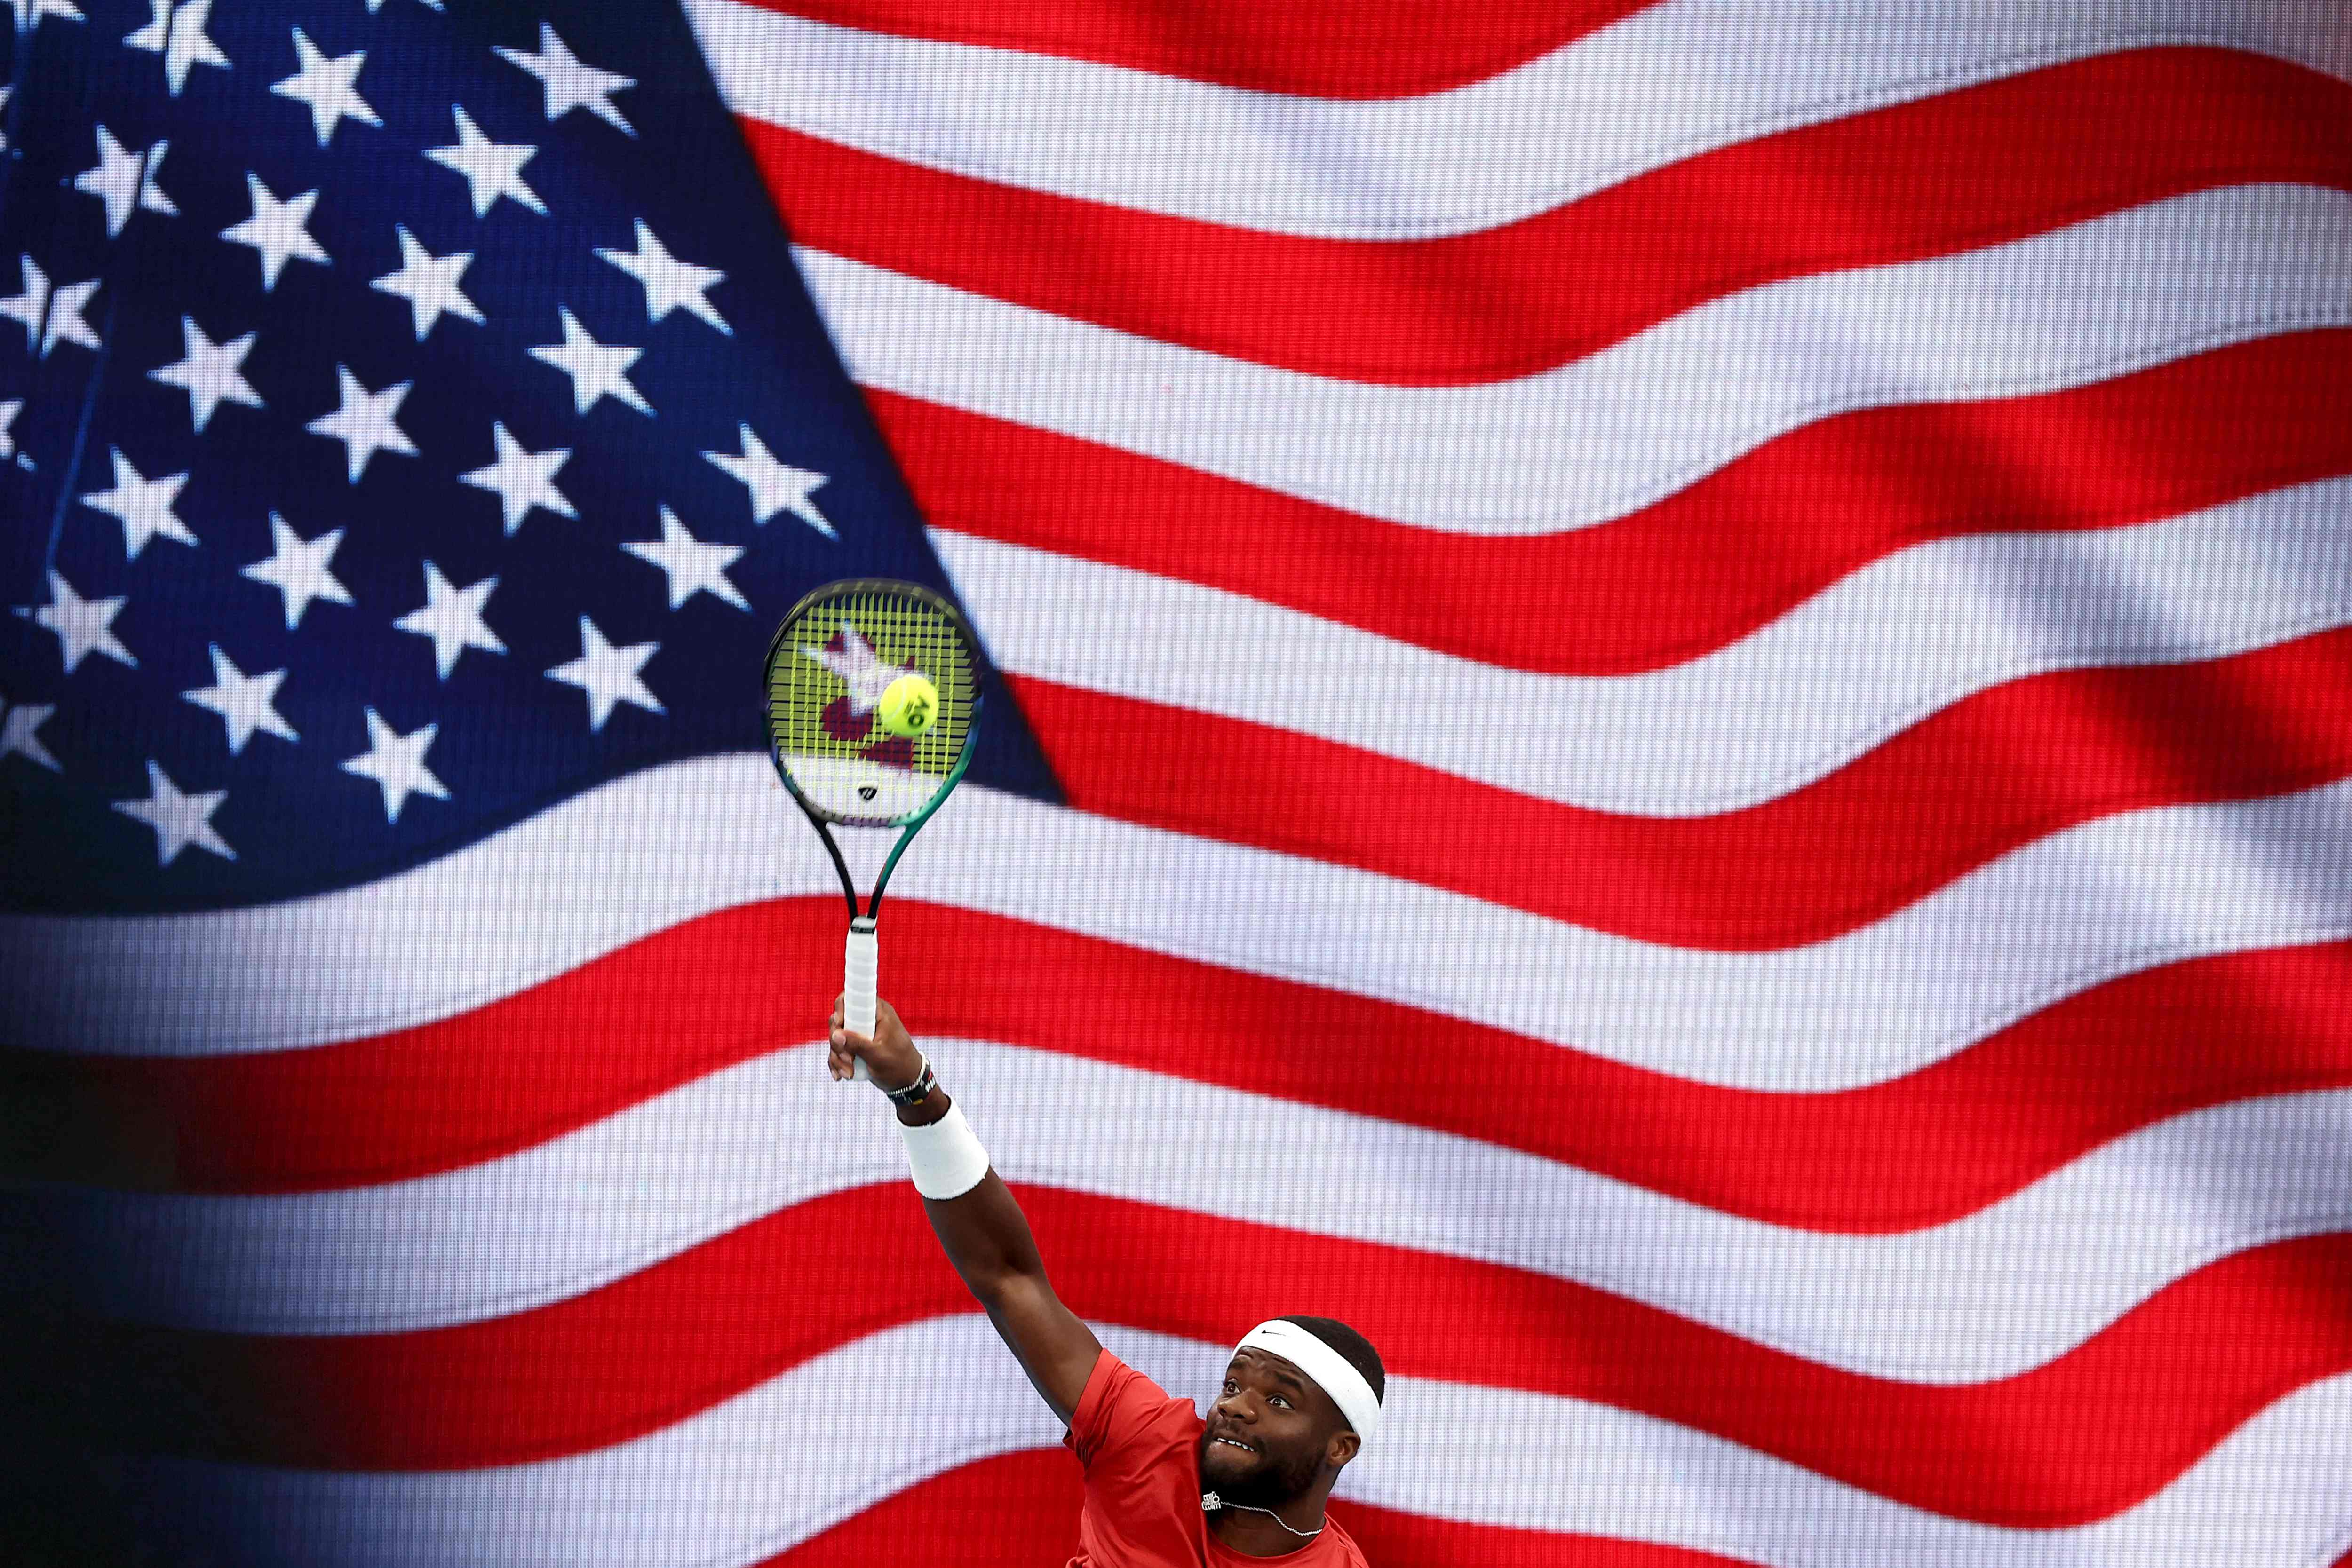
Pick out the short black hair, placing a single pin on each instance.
(1353, 1348)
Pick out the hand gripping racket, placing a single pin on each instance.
(830, 668)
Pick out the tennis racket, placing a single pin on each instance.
(830, 670)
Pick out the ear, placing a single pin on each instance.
(1341, 1447)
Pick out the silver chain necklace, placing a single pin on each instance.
(1211, 1502)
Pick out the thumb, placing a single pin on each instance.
(847, 1050)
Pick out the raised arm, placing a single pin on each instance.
(982, 1231)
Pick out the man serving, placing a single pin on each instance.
(1163, 1488)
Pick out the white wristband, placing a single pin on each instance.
(945, 1157)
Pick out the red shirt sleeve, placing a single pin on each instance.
(1137, 1445)
(1120, 1409)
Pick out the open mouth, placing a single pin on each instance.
(1232, 1443)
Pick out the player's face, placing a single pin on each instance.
(1284, 1423)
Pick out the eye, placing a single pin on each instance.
(1280, 1400)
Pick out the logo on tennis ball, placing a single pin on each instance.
(908, 705)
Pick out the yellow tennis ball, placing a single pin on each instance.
(909, 704)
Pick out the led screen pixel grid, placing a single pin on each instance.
(1665, 726)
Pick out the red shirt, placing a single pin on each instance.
(1140, 1451)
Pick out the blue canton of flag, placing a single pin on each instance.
(411, 418)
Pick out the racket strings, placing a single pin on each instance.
(826, 672)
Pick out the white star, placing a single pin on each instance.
(522, 480)
(451, 617)
(492, 169)
(297, 568)
(277, 231)
(669, 282)
(50, 315)
(142, 506)
(330, 87)
(5, 92)
(20, 734)
(210, 374)
(375, 5)
(865, 673)
(82, 626)
(30, 12)
(66, 322)
(597, 370)
(28, 307)
(569, 84)
(178, 820)
(245, 703)
(365, 423)
(429, 283)
(396, 762)
(774, 486)
(10, 407)
(123, 180)
(691, 566)
(178, 34)
(608, 675)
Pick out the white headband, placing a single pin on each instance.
(1328, 1367)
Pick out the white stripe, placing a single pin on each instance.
(1612, 433)
(774, 1467)
(1667, 83)
(1988, 1295)
(642, 853)
(1803, 696)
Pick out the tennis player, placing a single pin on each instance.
(1301, 1396)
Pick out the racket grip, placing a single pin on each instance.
(860, 975)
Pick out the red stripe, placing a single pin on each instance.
(2093, 1432)
(1310, 48)
(1930, 1147)
(1014, 1511)
(1968, 784)
(1021, 1511)
(1391, 1540)
(1699, 569)
(2005, 160)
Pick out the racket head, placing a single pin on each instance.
(827, 666)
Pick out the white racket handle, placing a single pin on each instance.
(861, 973)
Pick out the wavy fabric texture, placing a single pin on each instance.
(1707, 566)
(1659, 88)
(576, 1213)
(2077, 1439)
(2007, 159)
(1793, 494)
(1767, 715)
(1697, 655)
(1932, 1147)
(1621, 429)
(2150, 888)
(630, 1503)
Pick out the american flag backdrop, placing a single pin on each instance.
(1673, 730)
